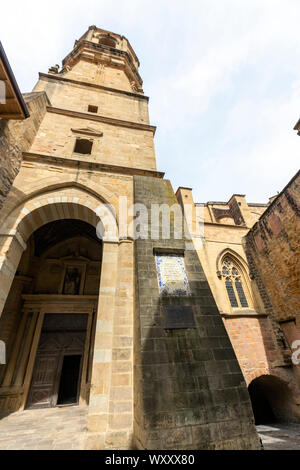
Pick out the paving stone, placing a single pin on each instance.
(280, 436)
(44, 429)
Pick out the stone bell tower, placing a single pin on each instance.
(99, 86)
(110, 54)
(157, 368)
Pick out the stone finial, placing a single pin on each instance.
(66, 68)
(133, 86)
(53, 69)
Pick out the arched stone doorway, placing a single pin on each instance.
(48, 321)
(272, 400)
(23, 220)
(111, 327)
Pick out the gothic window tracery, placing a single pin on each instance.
(234, 284)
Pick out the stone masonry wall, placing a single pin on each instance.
(255, 345)
(17, 137)
(272, 249)
(111, 103)
(118, 145)
(188, 386)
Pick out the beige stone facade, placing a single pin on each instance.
(56, 184)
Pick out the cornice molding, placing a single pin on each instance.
(106, 120)
(93, 85)
(88, 165)
(87, 131)
(287, 320)
(216, 224)
(240, 313)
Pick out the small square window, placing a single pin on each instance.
(83, 146)
(92, 109)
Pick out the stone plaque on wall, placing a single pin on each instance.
(178, 317)
(172, 278)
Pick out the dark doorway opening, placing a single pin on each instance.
(263, 413)
(68, 385)
(58, 365)
(271, 400)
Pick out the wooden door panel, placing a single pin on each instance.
(40, 397)
(43, 380)
(45, 370)
(68, 338)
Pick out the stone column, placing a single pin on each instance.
(89, 36)
(10, 321)
(14, 356)
(12, 246)
(98, 414)
(22, 366)
(119, 435)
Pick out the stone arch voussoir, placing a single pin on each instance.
(62, 203)
(42, 186)
(59, 204)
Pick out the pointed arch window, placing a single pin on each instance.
(234, 284)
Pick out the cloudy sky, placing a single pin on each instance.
(222, 76)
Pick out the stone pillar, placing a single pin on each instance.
(12, 317)
(89, 36)
(22, 366)
(119, 435)
(12, 246)
(14, 356)
(98, 415)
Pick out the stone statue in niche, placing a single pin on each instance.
(72, 281)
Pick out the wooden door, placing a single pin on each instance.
(66, 339)
(45, 373)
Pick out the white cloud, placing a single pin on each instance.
(276, 153)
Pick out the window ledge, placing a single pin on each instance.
(287, 362)
(243, 312)
(77, 154)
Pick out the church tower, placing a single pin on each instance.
(92, 315)
(98, 111)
